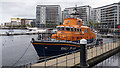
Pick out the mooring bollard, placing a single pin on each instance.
(83, 62)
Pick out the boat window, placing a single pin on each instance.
(30, 30)
(71, 16)
(71, 29)
(77, 29)
(85, 30)
(80, 29)
(58, 28)
(67, 29)
(62, 28)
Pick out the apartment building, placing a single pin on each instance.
(48, 15)
(28, 22)
(109, 16)
(84, 12)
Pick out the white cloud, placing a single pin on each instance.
(27, 8)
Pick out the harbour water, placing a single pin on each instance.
(111, 62)
(13, 48)
(14, 30)
(17, 50)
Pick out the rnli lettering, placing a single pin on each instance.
(64, 48)
(68, 48)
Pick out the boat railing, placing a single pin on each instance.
(69, 39)
(47, 37)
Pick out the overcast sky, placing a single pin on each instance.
(27, 8)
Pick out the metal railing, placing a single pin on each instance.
(29, 65)
(59, 38)
(101, 49)
(74, 56)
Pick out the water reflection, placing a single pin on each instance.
(112, 62)
(13, 47)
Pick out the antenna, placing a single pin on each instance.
(75, 12)
(75, 7)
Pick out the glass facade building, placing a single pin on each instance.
(109, 16)
(48, 15)
(84, 12)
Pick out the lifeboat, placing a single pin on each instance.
(66, 39)
(73, 30)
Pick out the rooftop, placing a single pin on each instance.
(48, 5)
(108, 5)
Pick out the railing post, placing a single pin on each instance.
(101, 50)
(108, 46)
(83, 62)
(66, 60)
(56, 61)
(96, 50)
(91, 52)
(45, 63)
(113, 44)
(105, 47)
(86, 53)
(114, 41)
(101, 45)
(74, 57)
